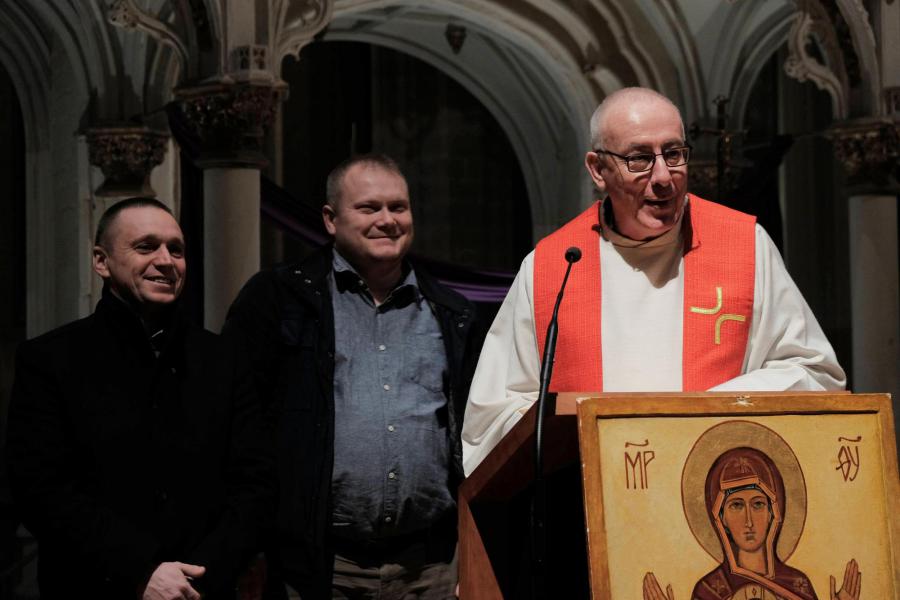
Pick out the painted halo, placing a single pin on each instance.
(736, 434)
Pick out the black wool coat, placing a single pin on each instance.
(119, 460)
(285, 321)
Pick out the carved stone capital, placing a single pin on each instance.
(869, 149)
(231, 121)
(250, 58)
(251, 65)
(126, 155)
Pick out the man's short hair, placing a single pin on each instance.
(617, 96)
(336, 177)
(110, 214)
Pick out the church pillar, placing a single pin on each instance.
(869, 151)
(231, 120)
(230, 237)
(873, 292)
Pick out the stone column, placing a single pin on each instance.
(870, 153)
(230, 237)
(272, 245)
(874, 293)
(231, 119)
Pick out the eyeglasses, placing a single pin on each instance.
(639, 163)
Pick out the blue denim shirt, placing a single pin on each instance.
(391, 448)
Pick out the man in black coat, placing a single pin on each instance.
(366, 362)
(137, 453)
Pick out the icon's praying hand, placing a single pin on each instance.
(852, 583)
(653, 591)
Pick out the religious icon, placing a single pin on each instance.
(748, 510)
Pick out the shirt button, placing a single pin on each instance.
(386, 387)
(392, 475)
(391, 428)
(382, 347)
(388, 519)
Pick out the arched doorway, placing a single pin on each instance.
(520, 69)
(12, 221)
(469, 199)
(12, 286)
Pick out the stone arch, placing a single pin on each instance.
(760, 45)
(865, 48)
(539, 71)
(26, 58)
(215, 13)
(94, 53)
(161, 66)
(752, 32)
(849, 69)
(679, 58)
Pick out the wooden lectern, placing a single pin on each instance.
(627, 476)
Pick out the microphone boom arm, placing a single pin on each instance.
(539, 505)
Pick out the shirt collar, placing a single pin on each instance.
(347, 279)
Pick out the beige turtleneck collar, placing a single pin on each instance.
(657, 258)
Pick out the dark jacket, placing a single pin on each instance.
(284, 319)
(120, 460)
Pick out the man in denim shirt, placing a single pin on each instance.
(365, 362)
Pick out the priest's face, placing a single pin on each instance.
(645, 204)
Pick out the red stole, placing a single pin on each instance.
(719, 278)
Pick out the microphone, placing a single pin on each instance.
(539, 504)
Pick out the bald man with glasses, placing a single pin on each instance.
(673, 293)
